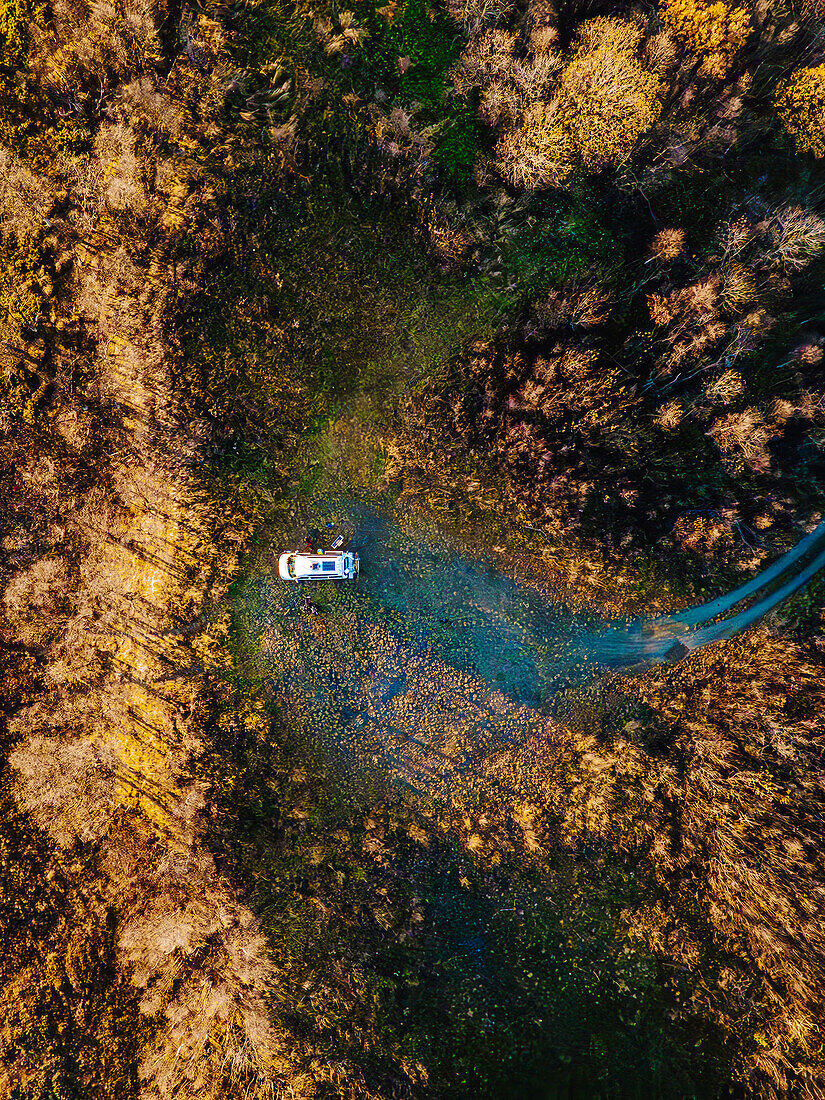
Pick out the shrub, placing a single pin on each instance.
(713, 31)
(798, 235)
(734, 238)
(810, 354)
(525, 83)
(538, 152)
(487, 58)
(507, 86)
(668, 244)
(800, 103)
(729, 385)
(605, 99)
(738, 287)
(670, 416)
(692, 316)
(660, 309)
(745, 433)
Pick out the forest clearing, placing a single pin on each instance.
(515, 308)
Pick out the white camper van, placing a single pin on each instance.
(326, 565)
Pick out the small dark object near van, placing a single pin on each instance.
(676, 652)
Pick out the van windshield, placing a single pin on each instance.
(290, 566)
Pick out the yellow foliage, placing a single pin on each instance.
(800, 103)
(14, 16)
(538, 152)
(712, 31)
(605, 100)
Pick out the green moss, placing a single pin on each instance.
(458, 147)
(424, 34)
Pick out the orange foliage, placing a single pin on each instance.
(713, 31)
(800, 103)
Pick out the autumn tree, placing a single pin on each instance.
(714, 32)
(602, 102)
(800, 103)
(607, 98)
